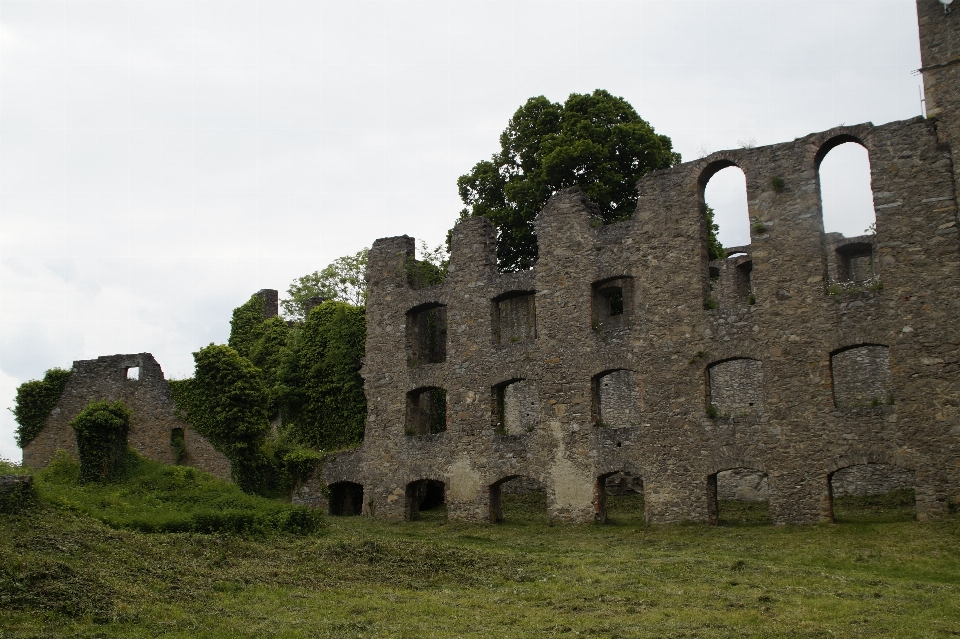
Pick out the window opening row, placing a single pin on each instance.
(872, 492)
(849, 220)
(514, 319)
(860, 375)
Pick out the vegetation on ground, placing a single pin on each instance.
(63, 573)
(152, 497)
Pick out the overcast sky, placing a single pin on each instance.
(161, 161)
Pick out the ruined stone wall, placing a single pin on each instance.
(743, 484)
(521, 407)
(870, 479)
(146, 392)
(619, 399)
(785, 353)
(736, 387)
(861, 377)
(782, 335)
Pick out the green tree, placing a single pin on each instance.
(325, 406)
(714, 247)
(595, 141)
(343, 280)
(227, 401)
(101, 429)
(431, 269)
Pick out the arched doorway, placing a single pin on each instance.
(518, 499)
(425, 495)
(875, 493)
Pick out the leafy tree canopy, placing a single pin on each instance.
(595, 141)
(343, 280)
(714, 247)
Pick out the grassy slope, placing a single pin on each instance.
(877, 574)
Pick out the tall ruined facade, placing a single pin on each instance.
(624, 349)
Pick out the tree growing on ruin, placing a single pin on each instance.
(343, 280)
(596, 141)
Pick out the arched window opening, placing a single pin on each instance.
(426, 411)
(515, 317)
(861, 377)
(518, 499)
(617, 398)
(728, 244)
(426, 496)
(738, 496)
(871, 493)
(846, 195)
(427, 334)
(735, 388)
(516, 407)
(619, 498)
(346, 499)
(612, 303)
(725, 194)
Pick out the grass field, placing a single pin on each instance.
(64, 573)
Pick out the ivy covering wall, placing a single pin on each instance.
(277, 394)
(35, 399)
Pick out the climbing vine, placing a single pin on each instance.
(35, 399)
(324, 405)
(247, 325)
(226, 400)
(101, 429)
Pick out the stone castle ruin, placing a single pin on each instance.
(155, 430)
(801, 367)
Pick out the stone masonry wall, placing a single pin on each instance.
(736, 387)
(796, 319)
(619, 398)
(521, 407)
(861, 377)
(148, 396)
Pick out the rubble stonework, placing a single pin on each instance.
(825, 353)
(152, 424)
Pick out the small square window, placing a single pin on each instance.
(133, 372)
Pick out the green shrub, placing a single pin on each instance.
(35, 399)
(227, 402)
(101, 429)
(778, 184)
(156, 498)
(712, 411)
